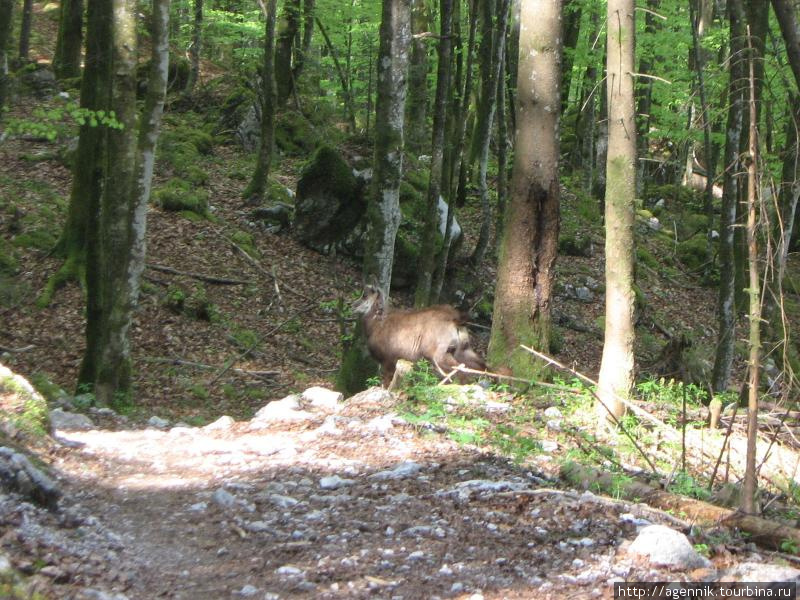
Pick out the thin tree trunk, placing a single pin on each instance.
(427, 262)
(284, 46)
(617, 366)
(502, 156)
(25, 31)
(750, 484)
(484, 130)
(195, 49)
(530, 235)
(256, 189)
(644, 95)
(6, 13)
(572, 30)
(348, 97)
(67, 58)
(726, 312)
(417, 101)
(383, 212)
(787, 20)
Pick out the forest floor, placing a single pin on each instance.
(345, 501)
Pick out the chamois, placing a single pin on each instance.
(436, 333)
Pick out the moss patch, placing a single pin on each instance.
(179, 195)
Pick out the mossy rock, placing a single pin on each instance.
(177, 195)
(406, 258)
(294, 135)
(412, 202)
(246, 242)
(21, 404)
(330, 201)
(645, 257)
(691, 224)
(693, 252)
(674, 195)
(183, 147)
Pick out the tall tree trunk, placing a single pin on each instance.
(195, 49)
(502, 154)
(6, 13)
(787, 20)
(87, 173)
(572, 30)
(67, 58)
(484, 129)
(427, 261)
(346, 91)
(284, 45)
(417, 101)
(257, 187)
(726, 310)
(750, 484)
(616, 378)
(644, 95)
(383, 211)
(25, 31)
(530, 235)
(113, 288)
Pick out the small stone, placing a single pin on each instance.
(553, 412)
(221, 424)
(69, 421)
(289, 570)
(157, 422)
(404, 469)
(334, 482)
(223, 498)
(248, 590)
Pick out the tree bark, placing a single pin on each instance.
(383, 210)
(726, 311)
(644, 95)
(195, 49)
(787, 20)
(67, 58)
(530, 234)
(616, 378)
(257, 187)
(6, 13)
(427, 261)
(484, 128)
(25, 31)
(284, 46)
(417, 101)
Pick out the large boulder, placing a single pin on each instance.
(330, 204)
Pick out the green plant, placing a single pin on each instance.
(685, 485)
(790, 547)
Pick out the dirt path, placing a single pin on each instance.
(321, 500)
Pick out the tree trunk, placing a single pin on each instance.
(530, 234)
(195, 49)
(87, 173)
(572, 30)
(383, 211)
(502, 155)
(6, 13)
(417, 101)
(484, 129)
(112, 290)
(256, 189)
(750, 484)
(644, 95)
(25, 31)
(346, 91)
(284, 46)
(67, 58)
(726, 311)
(617, 366)
(787, 20)
(427, 261)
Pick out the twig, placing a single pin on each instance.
(200, 276)
(197, 365)
(11, 350)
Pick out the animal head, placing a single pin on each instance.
(372, 302)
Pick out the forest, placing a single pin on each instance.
(350, 298)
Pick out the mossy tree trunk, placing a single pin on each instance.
(67, 57)
(258, 185)
(726, 310)
(417, 101)
(195, 49)
(427, 263)
(116, 250)
(287, 31)
(483, 132)
(87, 171)
(530, 235)
(25, 31)
(383, 204)
(383, 210)
(6, 14)
(616, 378)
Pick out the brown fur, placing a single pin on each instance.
(436, 333)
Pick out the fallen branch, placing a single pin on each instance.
(697, 512)
(200, 276)
(11, 350)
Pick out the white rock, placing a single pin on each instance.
(223, 498)
(405, 469)
(289, 570)
(157, 422)
(248, 591)
(283, 501)
(286, 409)
(224, 422)
(323, 398)
(553, 412)
(666, 547)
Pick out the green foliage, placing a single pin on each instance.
(59, 121)
(177, 195)
(685, 485)
(26, 409)
(40, 239)
(246, 242)
(194, 303)
(294, 134)
(693, 252)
